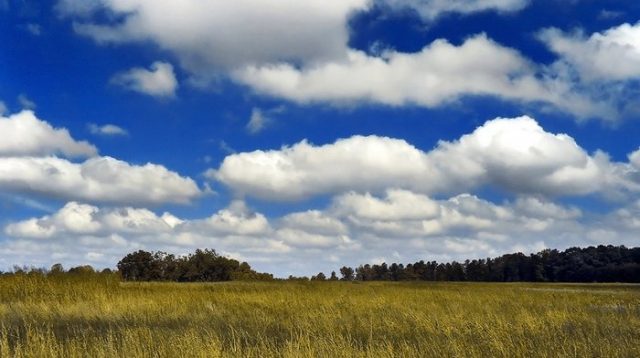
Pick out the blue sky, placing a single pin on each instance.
(303, 136)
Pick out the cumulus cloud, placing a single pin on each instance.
(397, 205)
(210, 39)
(613, 54)
(26, 135)
(199, 31)
(303, 170)
(158, 81)
(354, 228)
(101, 179)
(81, 219)
(107, 130)
(237, 219)
(314, 221)
(438, 74)
(431, 9)
(603, 66)
(3, 108)
(34, 162)
(78, 229)
(514, 155)
(210, 36)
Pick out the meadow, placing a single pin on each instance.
(99, 316)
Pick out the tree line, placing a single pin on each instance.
(590, 264)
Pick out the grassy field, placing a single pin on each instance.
(76, 317)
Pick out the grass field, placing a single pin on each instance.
(102, 317)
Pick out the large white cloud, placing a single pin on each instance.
(101, 179)
(32, 162)
(603, 66)
(302, 170)
(613, 54)
(515, 155)
(438, 74)
(213, 35)
(24, 134)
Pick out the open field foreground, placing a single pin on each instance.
(102, 317)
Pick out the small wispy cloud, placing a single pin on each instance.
(27, 202)
(26, 102)
(257, 122)
(609, 14)
(226, 148)
(107, 130)
(33, 29)
(260, 119)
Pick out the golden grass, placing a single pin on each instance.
(102, 317)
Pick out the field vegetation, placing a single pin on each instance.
(98, 315)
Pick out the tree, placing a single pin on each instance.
(347, 273)
(56, 269)
(82, 270)
(207, 265)
(333, 276)
(139, 266)
(319, 277)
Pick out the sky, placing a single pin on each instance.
(301, 136)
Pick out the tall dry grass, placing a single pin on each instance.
(102, 317)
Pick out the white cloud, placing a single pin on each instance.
(315, 64)
(237, 219)
(515, 155)
(634, 159)
(81, 219)
(314, 221)
(258, 121)
(537, 208)
(23, 134)
(101, 179)
(438, 74)
(107, 130)
(398, 205)
(158, 81)
(209, 36)
(348, 231)
(304, 170)
(613, 54)
(3, 108)
(32, 163)
(78, 229)
(431, 9)
(520, 156)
